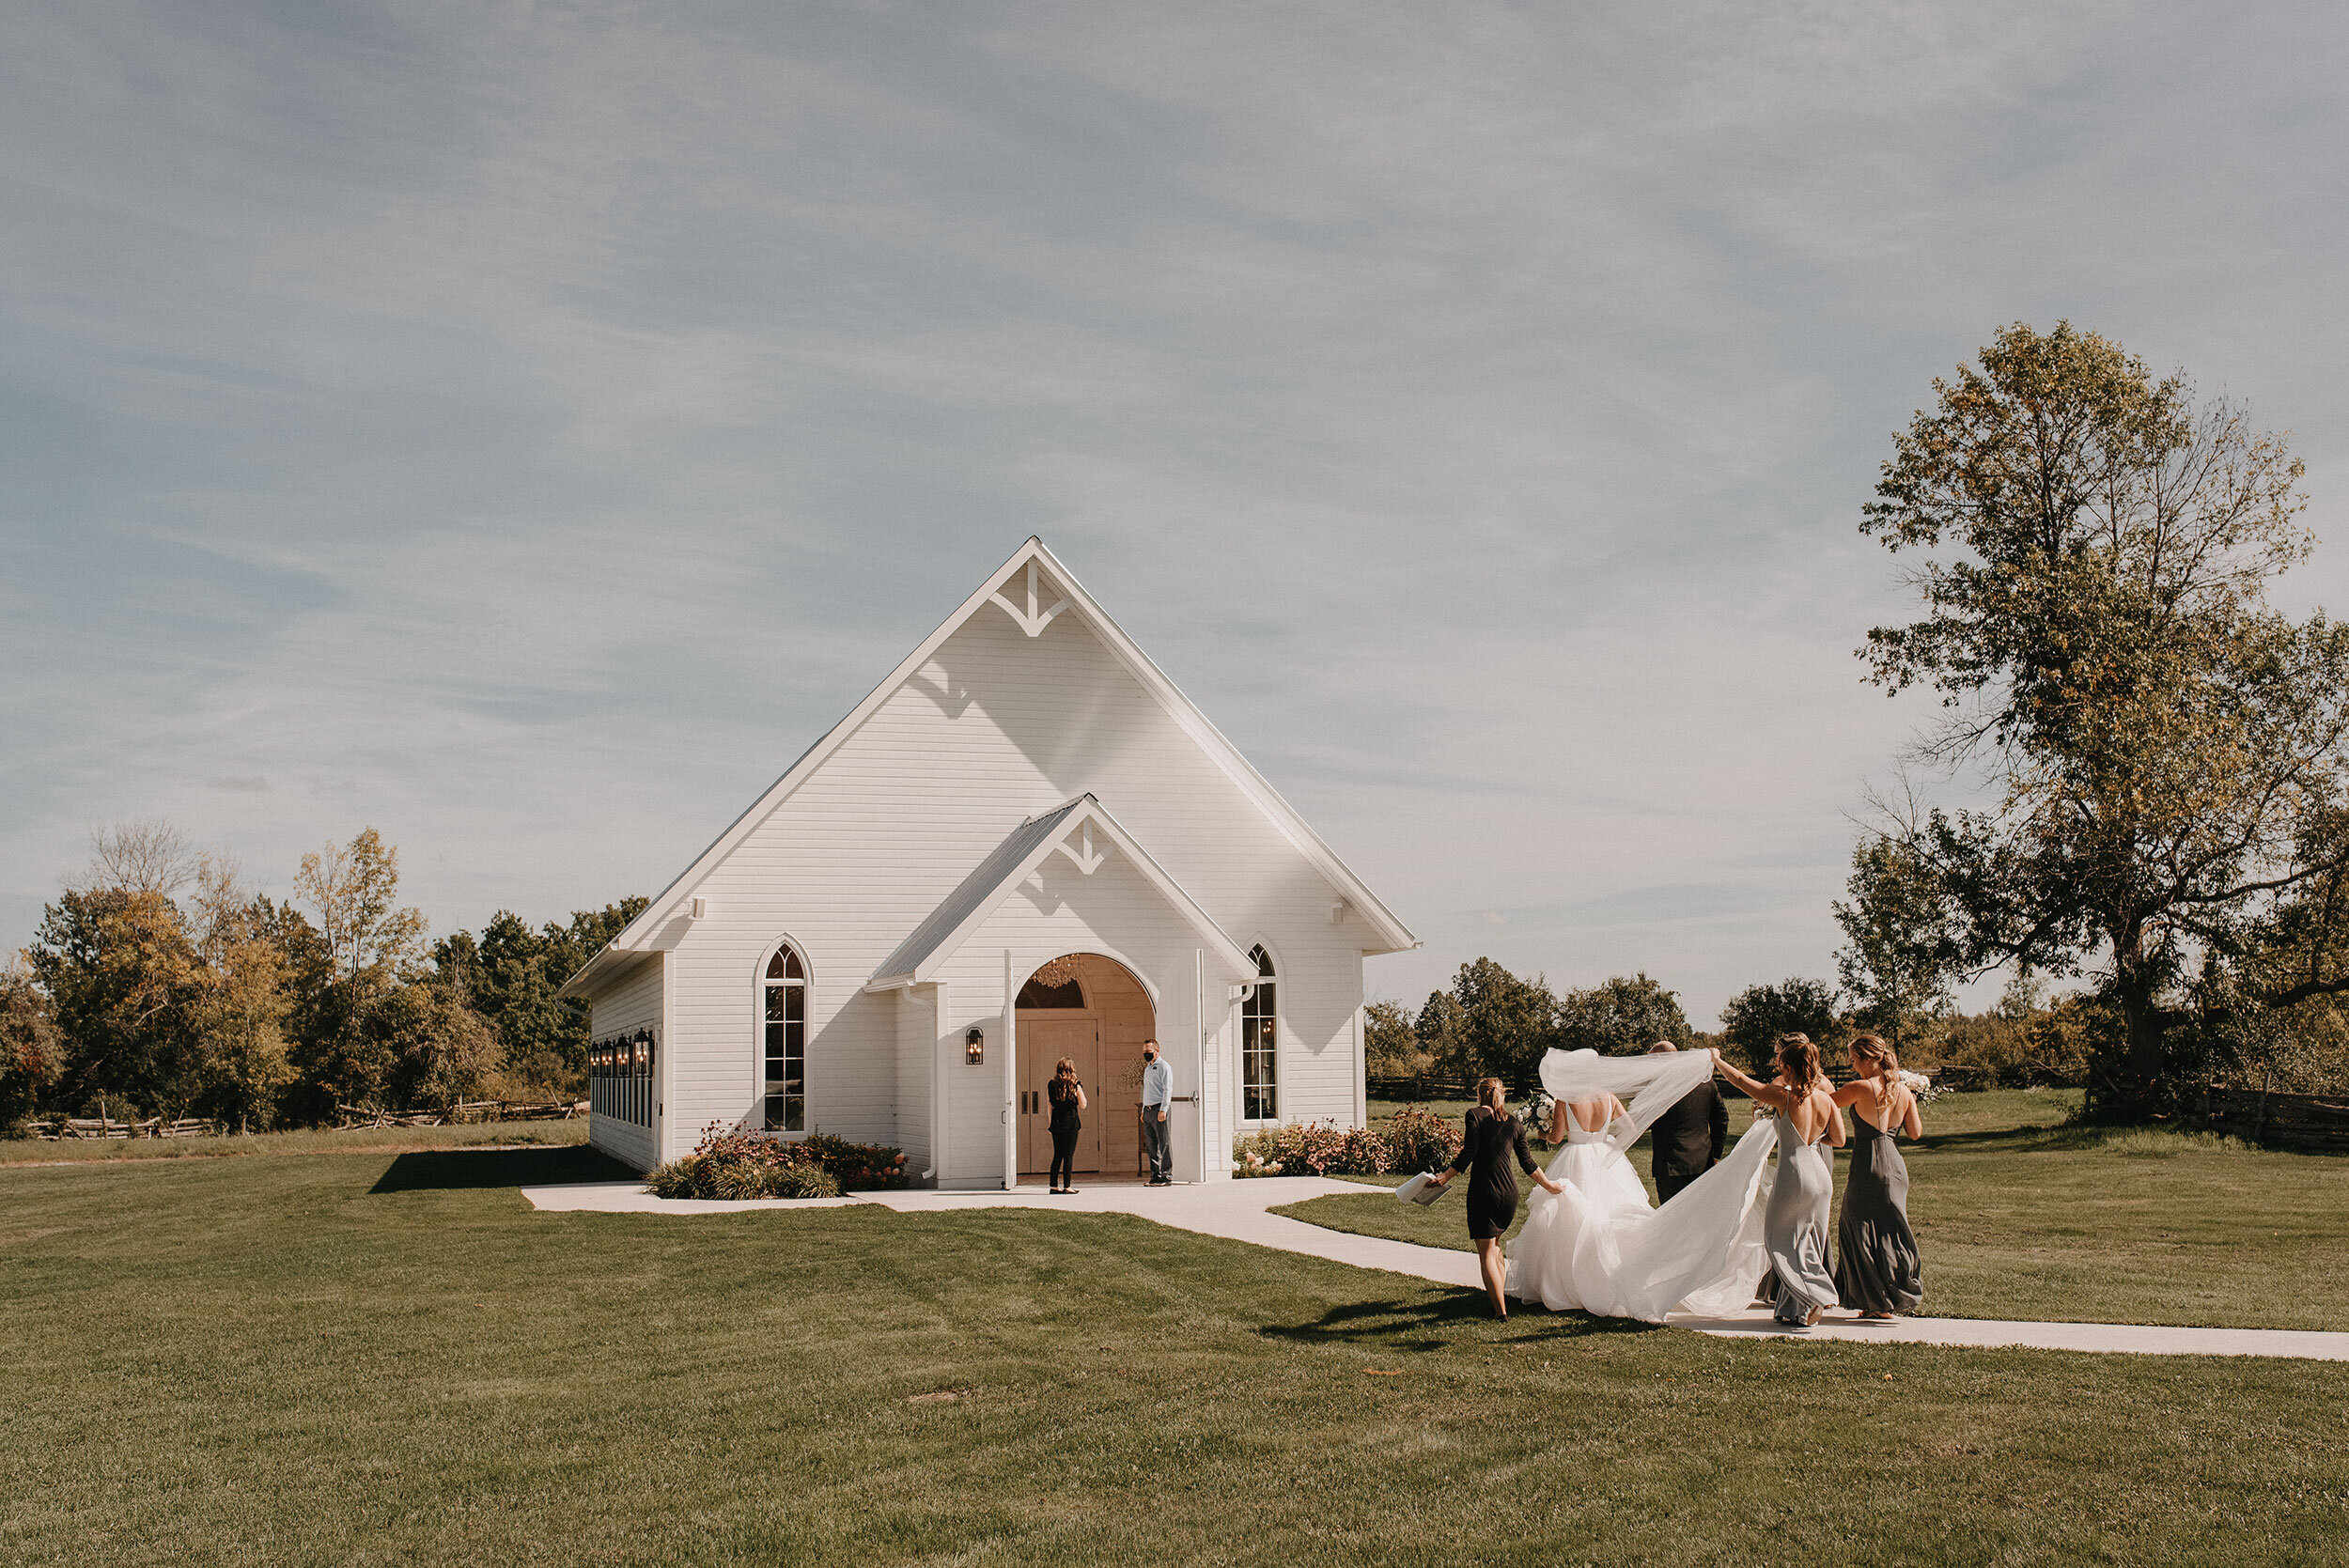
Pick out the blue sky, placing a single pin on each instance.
(524, 428)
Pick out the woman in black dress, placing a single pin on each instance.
(1493, 1135)
(1068, 1097)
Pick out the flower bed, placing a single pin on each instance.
(736, 1165)
(857, 1167)
(1415, 1140)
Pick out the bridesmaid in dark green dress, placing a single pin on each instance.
(1877, 1268)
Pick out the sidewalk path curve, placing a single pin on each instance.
(1236, 1211)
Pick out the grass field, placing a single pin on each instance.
(314, 1141)
(2019, 1215)
(390, 1359)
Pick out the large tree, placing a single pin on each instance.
(1441, 1029)
(123, 980)
(1507, 1022)
(241, 1061)
(1619, 1017)
(2164, 749)
(31, 1052)
(364, 949)
(1754, 1018)
(1390, 1045)
(1903, 944)
(509, 974)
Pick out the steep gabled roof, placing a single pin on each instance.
(1019, 575)
(1012, 862)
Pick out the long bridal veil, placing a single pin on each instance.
(1598, 1247)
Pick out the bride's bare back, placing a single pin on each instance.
(1589, 1115)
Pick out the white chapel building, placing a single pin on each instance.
(1025, 843)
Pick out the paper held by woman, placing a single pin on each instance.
(1423, 1189)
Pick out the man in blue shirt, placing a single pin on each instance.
(1158, 1095)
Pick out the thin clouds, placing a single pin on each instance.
(525, 430)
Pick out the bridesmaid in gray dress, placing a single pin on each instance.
(1877, 1268)
(1794, 1229)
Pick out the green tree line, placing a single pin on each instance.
(1490, 1022)
(159, 982)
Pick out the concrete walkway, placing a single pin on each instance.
(1235, 1210)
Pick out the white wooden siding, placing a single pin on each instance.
(634, 1003)
(917, 1041)
(997, 727)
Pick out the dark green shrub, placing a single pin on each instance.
(857, 1167)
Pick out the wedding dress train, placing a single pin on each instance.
(1598, 1246)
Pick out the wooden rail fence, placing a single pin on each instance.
(2258, 1116)
(353, 1117)
(457, 1116)
(104, 1126)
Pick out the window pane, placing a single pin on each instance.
(1259, 1057)
(779, 966)
(794, 1002)
(1264, 960)
(791, 964)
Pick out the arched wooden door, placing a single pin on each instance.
(1097, 1017)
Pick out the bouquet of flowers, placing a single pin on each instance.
(1923, 1087)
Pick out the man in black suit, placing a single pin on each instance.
(1689, 1137)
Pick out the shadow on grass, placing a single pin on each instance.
(2053, 1136)
(458, 1170)
(1432, 1325)
(2149, 1139)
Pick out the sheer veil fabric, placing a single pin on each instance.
(1598, 1247)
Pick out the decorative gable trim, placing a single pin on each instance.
(934, 942)
(1037, 563)
(1032, 621)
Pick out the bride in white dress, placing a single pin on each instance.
(1589, 1163)
(1598, 1245)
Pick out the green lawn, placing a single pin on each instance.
(368, 1141)
(2020, 1216)
(371, 1358)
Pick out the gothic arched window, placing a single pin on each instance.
(784, 1046)
(1260, 1046)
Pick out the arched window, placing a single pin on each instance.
(1260, 1046)
(786, 1044)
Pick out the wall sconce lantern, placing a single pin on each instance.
(975, 1047)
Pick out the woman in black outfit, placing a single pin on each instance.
(1068, 1097)
(1493, 1134)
